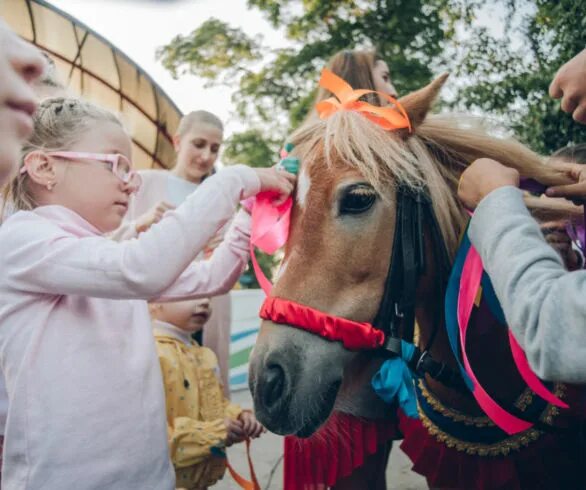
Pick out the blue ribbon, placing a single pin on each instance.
(394, 381)
(451, 306)
(451, 303)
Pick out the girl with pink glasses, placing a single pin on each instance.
(87, 404)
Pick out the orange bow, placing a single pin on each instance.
(346, 98)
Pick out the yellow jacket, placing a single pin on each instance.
(196, 408)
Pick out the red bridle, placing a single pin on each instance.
(353, 335)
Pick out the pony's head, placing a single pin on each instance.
(339, 248)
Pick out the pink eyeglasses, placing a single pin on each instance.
(118, 164)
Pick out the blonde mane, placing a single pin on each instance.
(433, 157)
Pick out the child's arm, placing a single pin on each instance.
(191, 441)
(218, 274)
(44, 258)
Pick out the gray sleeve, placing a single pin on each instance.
(544, 304)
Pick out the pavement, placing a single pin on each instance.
(267, 453)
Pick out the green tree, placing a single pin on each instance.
(280, 85)
(513, 84)
(250, 147)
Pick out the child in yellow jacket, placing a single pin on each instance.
(201, 422)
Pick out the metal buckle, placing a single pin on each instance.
(424, 354)
(398, 313)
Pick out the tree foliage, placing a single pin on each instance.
(512, 83)
(411, 34)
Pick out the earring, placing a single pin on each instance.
(50, 186)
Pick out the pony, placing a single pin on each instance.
(337, 259)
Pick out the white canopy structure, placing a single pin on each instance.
(93, 68)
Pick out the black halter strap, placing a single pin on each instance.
(396, 315)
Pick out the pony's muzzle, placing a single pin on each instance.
(294, 378)
(274, 385)
(271, 387)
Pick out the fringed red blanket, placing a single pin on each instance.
(335, 451)
(477, 459)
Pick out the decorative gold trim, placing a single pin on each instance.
(522, 403)
(502, 448)
(524, 400)
(551, 411)
(452, 413)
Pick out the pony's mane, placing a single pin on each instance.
(433, 157)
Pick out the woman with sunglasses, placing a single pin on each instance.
(87, 408)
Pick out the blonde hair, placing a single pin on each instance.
(189, 120)
(58, 124)
(433, 157)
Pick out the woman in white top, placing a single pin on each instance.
(197, 143)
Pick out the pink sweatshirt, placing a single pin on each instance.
(87, 408)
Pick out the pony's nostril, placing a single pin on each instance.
(274, 384)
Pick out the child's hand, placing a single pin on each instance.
(152, 216)
(575, 192)
(482, 177)
(280, 182)
(235, 432)
(252, 427)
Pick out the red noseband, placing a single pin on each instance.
(353, 335)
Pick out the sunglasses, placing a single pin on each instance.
(118, 164)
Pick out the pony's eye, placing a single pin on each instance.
(357, 199)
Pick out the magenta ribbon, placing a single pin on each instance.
(469, 287)
(270, 230)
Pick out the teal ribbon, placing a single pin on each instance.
(394, 381)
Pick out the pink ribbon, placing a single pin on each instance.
(469, 287)
(270, 230)
(471, 278)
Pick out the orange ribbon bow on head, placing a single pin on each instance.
(346, 98)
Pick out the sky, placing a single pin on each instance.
(139, 27)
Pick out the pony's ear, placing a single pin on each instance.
(418, 103)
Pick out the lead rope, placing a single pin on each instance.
(245, 484)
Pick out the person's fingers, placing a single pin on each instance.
(571, 191)
(258, 430)
(237, 431)
(568, 168)
(555, 89)
(246, 424)
(289, 176)
(579, 114)
(284, 194)
(569, 103)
